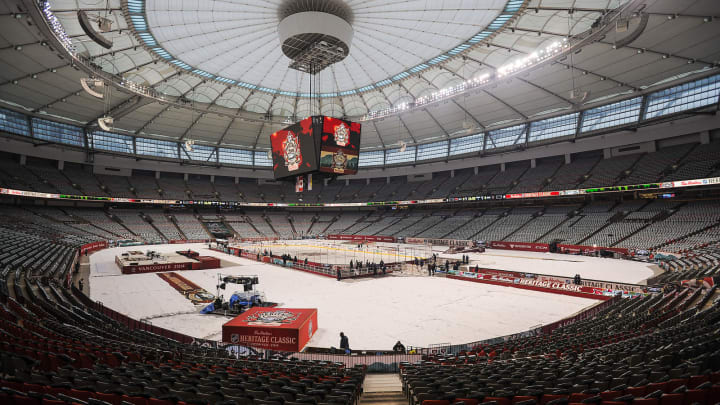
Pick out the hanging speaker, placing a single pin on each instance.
(92, 85)
(87, 27)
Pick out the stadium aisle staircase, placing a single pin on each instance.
(382, 389)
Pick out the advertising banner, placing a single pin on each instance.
(92, 247)
(438, 242)
(362, 238)
(562, 248)
(527, 247)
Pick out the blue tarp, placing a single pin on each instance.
(208, 309)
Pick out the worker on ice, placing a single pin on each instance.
(344, 343)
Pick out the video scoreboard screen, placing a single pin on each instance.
(316, 144)
(294, 149)
(339, 146)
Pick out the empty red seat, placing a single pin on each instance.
(646, 401)
(672, 399)
(652, 387)
(636, 391)
(111, 398)
(134, 400)
(696, 380)
(468, 401)
(155, 401)
(435, 402)
(499, 400)
(23, 400)
(675, 383)
(578, 397)
(550, 397)
(609, 395)
(695, 396)
(84, 395)
(713, 396)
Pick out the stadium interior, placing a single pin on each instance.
(558, 129)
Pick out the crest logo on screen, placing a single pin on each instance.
(342, 135)
(339, 161)
(279, 316)
(291, 152)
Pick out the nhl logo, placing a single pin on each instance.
(234, 338)
(342, 135)
(291, 152)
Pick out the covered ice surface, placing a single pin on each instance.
(593, 268)
(374, 313)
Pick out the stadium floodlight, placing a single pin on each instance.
(89, 85)
(106, 123)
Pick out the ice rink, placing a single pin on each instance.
(374, 313)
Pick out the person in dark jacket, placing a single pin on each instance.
(339, 275)
(399, 347)
(344, 342)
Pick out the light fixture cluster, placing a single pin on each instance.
(502, 72)
(57, 27)
(438, 95)
(534, 58)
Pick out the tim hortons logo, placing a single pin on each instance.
(291, 152)
(342, 135)
(280, 316)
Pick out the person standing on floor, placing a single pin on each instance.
(344, 343)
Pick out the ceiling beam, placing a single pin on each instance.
(225, 132)
(202, 114)
(431, 84)
(604, 10)
(257, 137)
(499, 100)
(477, 121)
(634, 48)
(407, 129)
(552, 93)
(447, 135)
(122, 109)
(145, 125)
(377, 131)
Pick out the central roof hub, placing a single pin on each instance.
(337, 8)
(315, 34)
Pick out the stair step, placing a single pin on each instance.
(385, 389)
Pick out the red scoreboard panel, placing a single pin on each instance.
(294, 149)
(339, 146)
